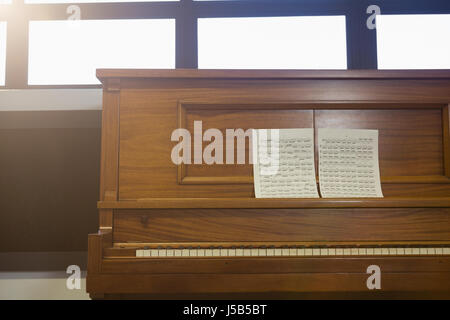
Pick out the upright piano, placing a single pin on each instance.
(197, 230)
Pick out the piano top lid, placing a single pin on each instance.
(271, 74)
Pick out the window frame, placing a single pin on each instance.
(361, 41)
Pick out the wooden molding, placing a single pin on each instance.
(179, 203)
(446, 139)
(105, 74)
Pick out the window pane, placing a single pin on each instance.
(92, 1)
(272, 43)
(68, 52)
(413, 41)
(2, 52)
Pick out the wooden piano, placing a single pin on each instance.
(197, 230)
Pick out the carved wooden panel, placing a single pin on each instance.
(414, 145)
(236, 116)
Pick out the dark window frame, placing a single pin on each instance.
(361, 42)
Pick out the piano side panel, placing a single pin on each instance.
(271, 225)
(110, 147)
(446, 129)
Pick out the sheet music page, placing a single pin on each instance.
(348, 163)
(283, 163)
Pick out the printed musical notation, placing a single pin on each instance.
(348, 163)
(284, 163)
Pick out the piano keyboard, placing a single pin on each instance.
(291, 252)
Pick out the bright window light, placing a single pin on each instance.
(413, 41)
(5, 1)
(92, 1)
(68, 52)
(317, 42)
(2, 52)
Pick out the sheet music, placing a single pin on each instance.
(348, 163)
(284, 163)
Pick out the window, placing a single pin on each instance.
(413, 41)
(48, 50)
(272, 43)
(2, 52)
(68, 52)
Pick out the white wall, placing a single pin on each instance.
(50, 99)
(39, 286)
(44, 285)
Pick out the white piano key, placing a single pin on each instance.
(262, 252)
(162, 252)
